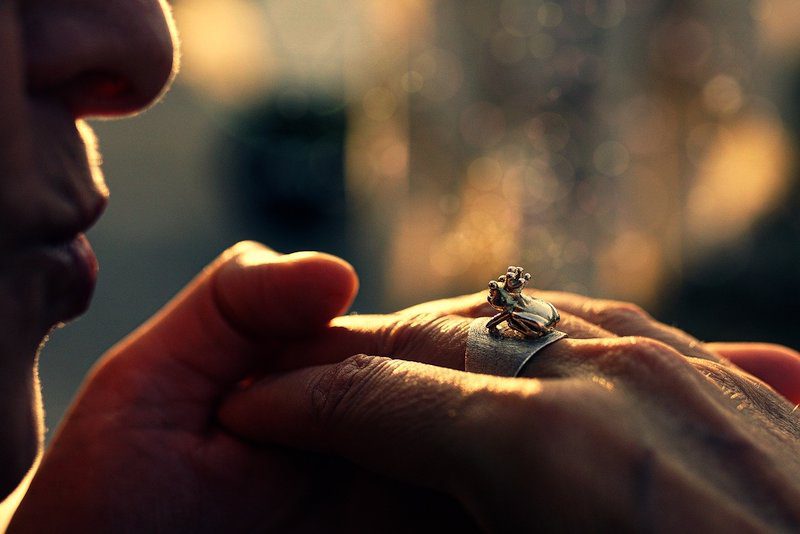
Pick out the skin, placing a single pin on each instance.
(143, 431)
(155, 441)
(627, 424)
(142, 450)
(63, 60)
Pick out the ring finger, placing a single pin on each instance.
(626, 319)
(424, 337)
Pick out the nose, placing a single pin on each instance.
(101, 58)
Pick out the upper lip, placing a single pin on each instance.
(62, 193)
(50, 231)
(87, 212)
(54, 219)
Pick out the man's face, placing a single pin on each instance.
(60, 61)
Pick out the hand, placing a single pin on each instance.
(629, 423)
(141, 451)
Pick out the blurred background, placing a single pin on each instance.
(643, 150)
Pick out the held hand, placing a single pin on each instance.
(629, 421)
(435, 332)
(141, 451)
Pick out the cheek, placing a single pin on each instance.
(14, 136)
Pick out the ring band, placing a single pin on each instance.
(505, 354)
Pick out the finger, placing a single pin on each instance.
(465, 434)
(626, 319)
(248, 296)
(776, 365)
(474, 305)
(427, 338)
(413, 421)
(265, 294)
(312, 407)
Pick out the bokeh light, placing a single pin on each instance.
(616, 126)
(643, 150)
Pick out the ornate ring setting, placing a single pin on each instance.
(529, 327)
(531, 317)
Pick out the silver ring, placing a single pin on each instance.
(503, 354)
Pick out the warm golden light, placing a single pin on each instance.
(723, 95)
(226, 48)
(743, 175)
(502, 131)
(777, 23)
(631, 267)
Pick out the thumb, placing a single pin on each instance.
(419, 423)
(229, 314)
(776, 365)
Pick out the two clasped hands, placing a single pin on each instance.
(250, 404)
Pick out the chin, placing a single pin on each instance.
(21, 417)
(40, 287)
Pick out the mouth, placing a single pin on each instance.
(68, 275)
(76, 288)
(51, 192)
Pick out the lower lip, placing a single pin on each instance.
(71, 269)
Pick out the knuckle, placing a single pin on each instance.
(574, 405)
(517, 404)
(408, 335)
(514, 405)
(245, 246)
(524, 414)
(642, 355)
(233, 253)
(344, 387)
(393, 336)
(506, 412)
(653, 351)
(617, 312)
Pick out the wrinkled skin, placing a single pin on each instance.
(627, 424)
(145, 446)
(141, 449)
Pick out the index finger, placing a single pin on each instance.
(472, 305)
